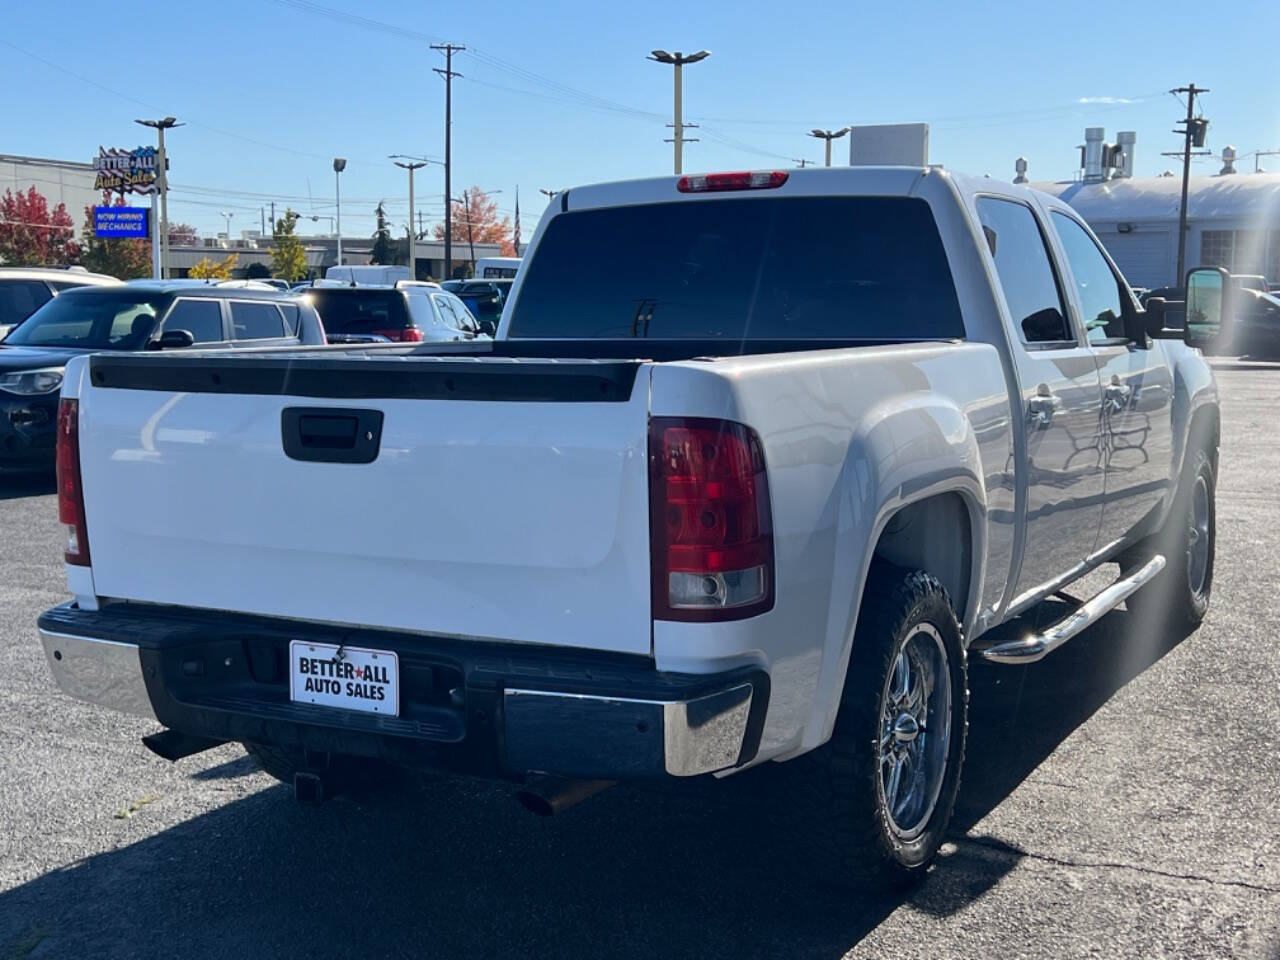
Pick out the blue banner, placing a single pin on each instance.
(120, 221)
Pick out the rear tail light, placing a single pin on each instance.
(744, 180)
(709, 521)
(70, 490)
(401, 334)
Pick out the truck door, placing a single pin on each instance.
(1137, 388)
(1061, 407)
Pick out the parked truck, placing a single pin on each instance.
(759, 491)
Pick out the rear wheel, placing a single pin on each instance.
(1178, 598)
(874, 803)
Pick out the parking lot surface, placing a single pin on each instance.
(1119, 800)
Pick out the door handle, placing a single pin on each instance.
(1042, 407)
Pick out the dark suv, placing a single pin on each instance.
(144, 315)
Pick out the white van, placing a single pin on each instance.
(368, 273)
(496, 268)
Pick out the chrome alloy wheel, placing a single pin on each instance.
(915, 731)
(1198, 536)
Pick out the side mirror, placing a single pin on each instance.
(173, 340)
(1209, 295)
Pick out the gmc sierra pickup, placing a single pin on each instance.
(755, 463)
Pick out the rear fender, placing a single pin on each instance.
(905, 450)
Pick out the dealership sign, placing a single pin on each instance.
(120, 221)
(126, 171)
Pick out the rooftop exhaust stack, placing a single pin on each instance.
(1094, 148)
(1020, 165)
(1126, 142)
(1228, 161)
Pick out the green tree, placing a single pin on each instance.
(384, 248)
(288, 256)
(127, 259)
(256, 271)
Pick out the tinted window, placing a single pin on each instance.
(360, 311)
(61, 285)
(1024, 270)
(758, 268)
(1096, 286)
(95, 318)
(444, 305)
(466, 320)
(19, 299)
(255, 321)
(290, 311)
(201, 318)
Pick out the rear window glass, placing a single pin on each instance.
(19, 299)
(360, 311)
(290, 311)
(776, 268)
(255, 321)
(94, 318)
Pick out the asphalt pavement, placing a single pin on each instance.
(1121, 799)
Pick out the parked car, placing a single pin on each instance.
(275, 282)
(1257, 324)
(24, 290)
(1250, 281)
(740, 505)
(408, 312)
(138, 316)
(368, 273)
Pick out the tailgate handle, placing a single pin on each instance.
(331, 434)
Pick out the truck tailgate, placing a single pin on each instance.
(507, 500)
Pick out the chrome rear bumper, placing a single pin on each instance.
(105, 672)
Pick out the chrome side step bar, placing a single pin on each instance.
(1040, 645)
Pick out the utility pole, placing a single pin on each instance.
(828, 136)
(1192, 135)
(471, 240)
(262, 212)
(549, 193)
(678, 60)
(802, 163)
(1259, 154)
(421, 228)
(448, 74)
(415, 163)
(162, 178)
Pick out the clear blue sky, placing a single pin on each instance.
(558, 94)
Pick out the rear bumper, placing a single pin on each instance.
(501, 710)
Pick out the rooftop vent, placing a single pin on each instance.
(1020, 166)
(1228, 161)
(1126, 144)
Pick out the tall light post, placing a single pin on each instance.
(678, 60)
(829, 135)
(227, 215)
(162, 179)
(339, 164)
(415, 163)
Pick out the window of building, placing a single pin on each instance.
(1239, 251)
(1024, 270)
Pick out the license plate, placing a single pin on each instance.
(349, 678)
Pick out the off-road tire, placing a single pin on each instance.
(833, 796)
(1168, 602)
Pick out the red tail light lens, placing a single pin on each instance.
(744, 180)
(710, 524)
(411, 335)
(70, 491)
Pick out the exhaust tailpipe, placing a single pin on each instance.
(545, 796)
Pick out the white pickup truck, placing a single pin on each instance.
(755, 463)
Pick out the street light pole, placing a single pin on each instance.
(678, 60)
(227, 217)
(448, 73)
(339, 164)
(828, 136)
(411, 166)
(162, 179)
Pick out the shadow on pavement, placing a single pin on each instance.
(15, 485)
(456, 869)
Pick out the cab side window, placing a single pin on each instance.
(1025, 271)
(201, 318)
(256, 321)
(1097, 286)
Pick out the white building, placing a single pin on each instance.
(60, 181)
(1233, 219)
